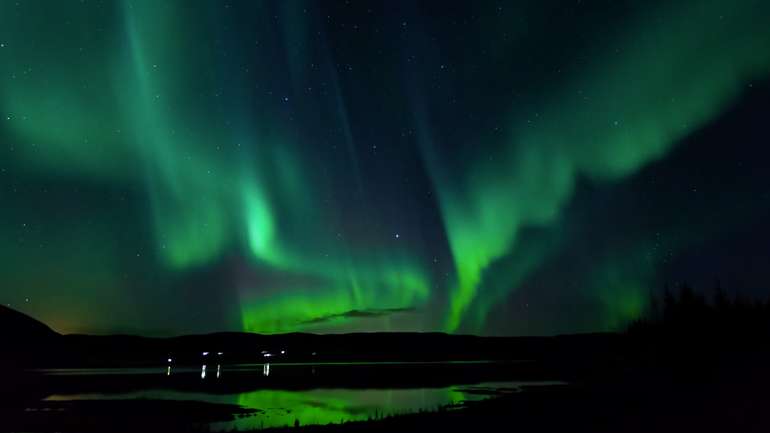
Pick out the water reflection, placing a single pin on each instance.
(278, 408)
(321, 402)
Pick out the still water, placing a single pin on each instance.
(282, 394)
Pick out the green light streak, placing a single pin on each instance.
(651, 87)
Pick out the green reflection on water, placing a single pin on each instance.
(276, 408)
(324, 406)
(282, 407)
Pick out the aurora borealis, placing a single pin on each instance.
(491, 167)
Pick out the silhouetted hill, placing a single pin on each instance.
(20, 328)
(36, 345)
(23, 337)
(85, 350)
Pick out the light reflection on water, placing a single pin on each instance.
(282, 407)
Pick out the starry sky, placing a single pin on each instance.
(487, 167)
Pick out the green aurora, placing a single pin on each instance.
(180, 166)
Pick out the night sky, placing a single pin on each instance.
(486, 167)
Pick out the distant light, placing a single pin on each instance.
(283, 352)
(268, 355)
(168, 371)
(218, 370)
(398, 235)
(205, 353)
(203, 372)
(170, 360)
(220, 353)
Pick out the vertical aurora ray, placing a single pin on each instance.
(650, 88)
(186, 204)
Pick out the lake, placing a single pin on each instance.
(251, 396)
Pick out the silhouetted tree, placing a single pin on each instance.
(687, 312)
